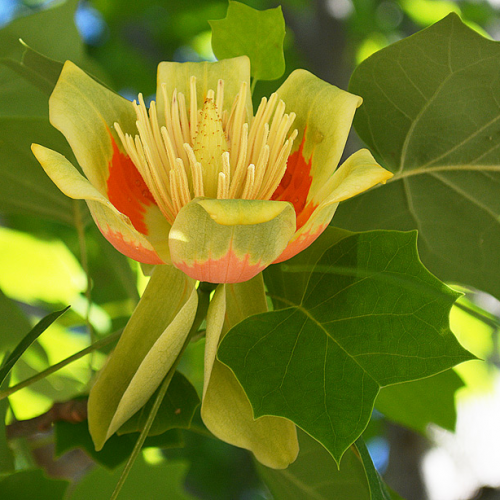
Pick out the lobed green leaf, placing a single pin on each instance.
(370, 316)
(431, 114)
(256, 34)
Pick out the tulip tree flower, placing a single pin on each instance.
(199, 183)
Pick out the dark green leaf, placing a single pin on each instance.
(371, 316)
(378, 489)
(286, 287)
(40, 71)
(24, 186)
(430, 112)
(315, 475)
(256, 34)
(151, 482)
(14, 323)
(421, 402)
(59, 38)
(46, 67)
(176, 410)
(29, 338)
(32, 484)
(6, 457)
(116, 450)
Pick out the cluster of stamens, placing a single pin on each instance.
(209, 152)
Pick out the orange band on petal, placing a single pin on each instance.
(127, 191)
(133, 250)
(301, 243)
(228, 269)
(295, 185)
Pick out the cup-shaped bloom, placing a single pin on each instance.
(199, 181)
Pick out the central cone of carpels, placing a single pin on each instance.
(209, 152)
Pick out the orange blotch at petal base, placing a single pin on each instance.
(301, 243)
(133, 250)
(127, 190)
(295, 184)
(228, 269)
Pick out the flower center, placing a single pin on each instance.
(210, 152)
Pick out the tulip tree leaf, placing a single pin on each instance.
(24, 118)
(37, 69)
(421, 402)
(59, 38)
(256, 34)
(371, 316)
(431, 113)
(315, 475)
(24, 186)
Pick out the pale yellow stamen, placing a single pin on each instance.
(209, 152)
(249, 182)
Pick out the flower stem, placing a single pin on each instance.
(45, 373)
(204, 291)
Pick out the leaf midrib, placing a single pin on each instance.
(300, 308)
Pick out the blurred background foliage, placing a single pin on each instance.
(50, 256)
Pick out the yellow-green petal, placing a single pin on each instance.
(229, 241)
(85, 112)
(324, 115)
(177, 76)
(357, 174)
(226, 410)
(114, 225)
(156, 364)
(142, 357)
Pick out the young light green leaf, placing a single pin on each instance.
(256, 34)
(421, 402)
(430, 112)
(371, 316)
(146, 350)
(28, 339)
(316, 476)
